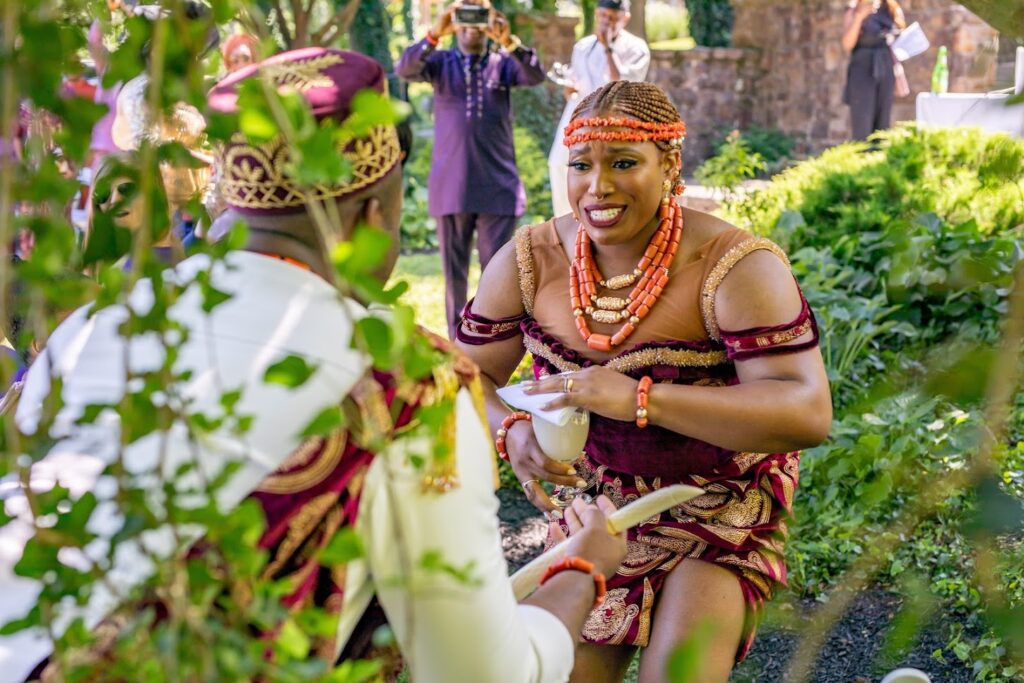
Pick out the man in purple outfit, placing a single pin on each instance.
(473, 184)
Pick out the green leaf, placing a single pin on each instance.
(37, 558)
(344, 547)
(213, 297)
(355, 671)
(292, 641)
(363, 253)
(316, 160)
(325, 422)
(291, 371)
(257, 125)
(374, 336)
(33, 618)
(371, 108)
(433, 561)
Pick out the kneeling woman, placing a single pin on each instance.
(693, 348)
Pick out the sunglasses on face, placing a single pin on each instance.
(102, 194)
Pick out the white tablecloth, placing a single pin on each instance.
(988, 111)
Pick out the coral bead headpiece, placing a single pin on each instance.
(629, 130)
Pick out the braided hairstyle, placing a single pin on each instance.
(636, 100)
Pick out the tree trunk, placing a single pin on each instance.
(588, 7)
(369, 33)
(710, 22)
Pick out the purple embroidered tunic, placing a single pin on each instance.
(473, 169)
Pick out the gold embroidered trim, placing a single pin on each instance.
(299, 528)
(524, 259)
(680, 358)
(721, 269)
(256, 177)
(541, 349)
(302, 76)
(744, 461)
(643, 635)
(488, 329)
(776, 338)
(293, 482)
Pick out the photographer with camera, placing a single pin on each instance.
(610, 53)
(474, 185)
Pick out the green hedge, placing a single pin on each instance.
(906, 250)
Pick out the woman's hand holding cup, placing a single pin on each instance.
(532, 466)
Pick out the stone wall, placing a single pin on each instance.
(711, 87)
(787, 69)
(803, 65)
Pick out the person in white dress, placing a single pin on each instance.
(610, 53)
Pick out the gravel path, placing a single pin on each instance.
(852, 652)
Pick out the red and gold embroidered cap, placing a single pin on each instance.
(253, 178)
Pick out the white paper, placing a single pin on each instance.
(515, 395)
(910, 42)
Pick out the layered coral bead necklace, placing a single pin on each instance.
(652, 271)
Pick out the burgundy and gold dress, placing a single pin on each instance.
(740, 523)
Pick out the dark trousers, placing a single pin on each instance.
(870, 90)
(455, 237)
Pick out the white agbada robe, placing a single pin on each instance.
(589, 68)
(448, 631)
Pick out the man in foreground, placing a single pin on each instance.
(283, 304)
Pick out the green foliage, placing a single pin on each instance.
(666, 22)
(774, 146)
(710, 22)
(532, 162)
(906, 252)
(734, 163)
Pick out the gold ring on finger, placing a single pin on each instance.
(567, 383)
(526, 485)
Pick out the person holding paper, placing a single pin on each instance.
(873, 77)
(695, 353)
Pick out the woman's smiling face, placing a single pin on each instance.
(616, 187)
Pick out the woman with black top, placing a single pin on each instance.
(868, 30)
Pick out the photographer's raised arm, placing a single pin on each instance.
(417, 62)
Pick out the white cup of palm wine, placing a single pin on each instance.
(563, 442)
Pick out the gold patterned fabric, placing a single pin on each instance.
(524, 260)
(739, 524)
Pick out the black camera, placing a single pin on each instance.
(472, 15)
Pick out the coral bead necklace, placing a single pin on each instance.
(652, 269)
